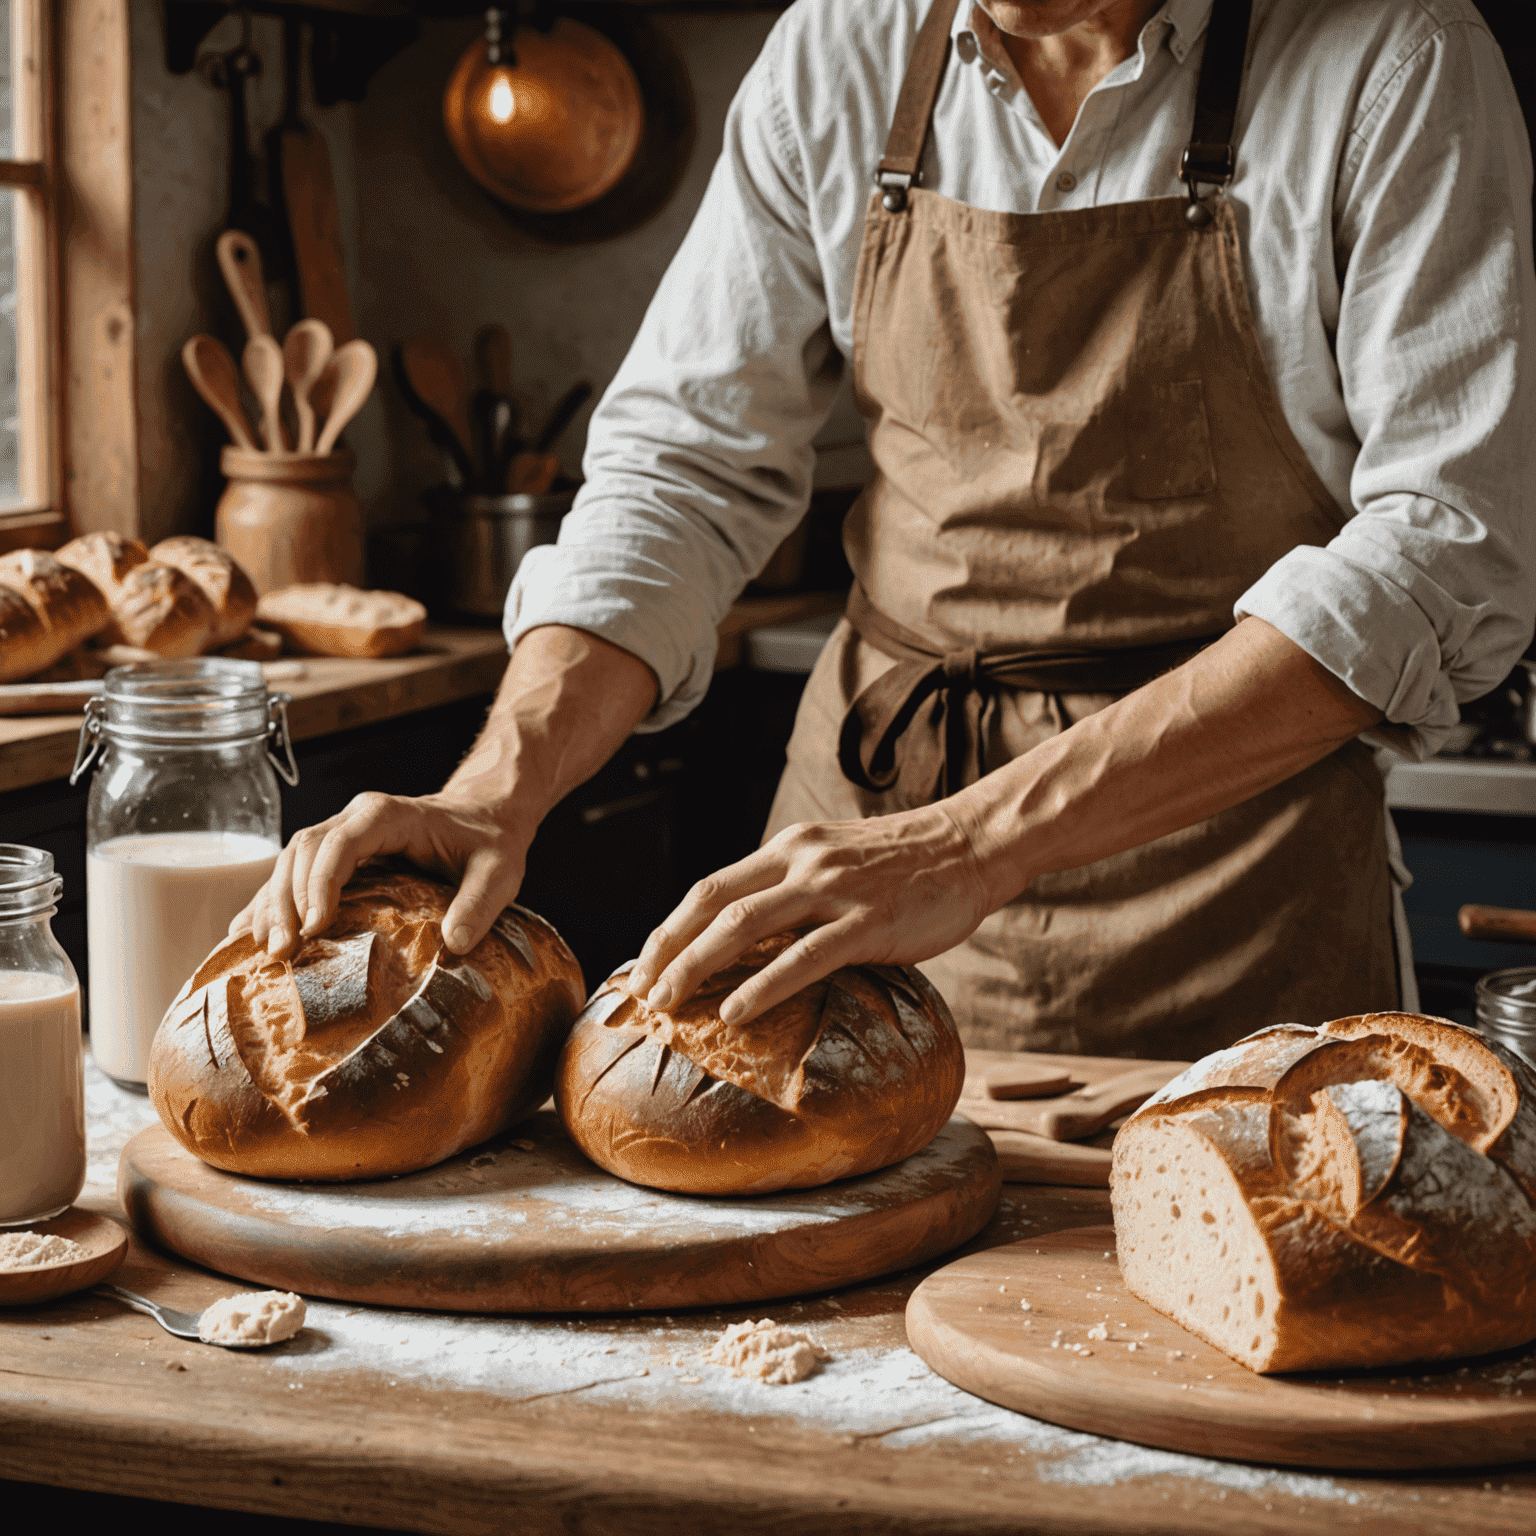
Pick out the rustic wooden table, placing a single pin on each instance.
(430, 1422)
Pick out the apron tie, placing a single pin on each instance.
(888, 740)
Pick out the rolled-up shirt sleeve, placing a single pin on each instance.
(1425, 598)
(699, 458)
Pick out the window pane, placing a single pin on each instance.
(5, 80)
(10, 461)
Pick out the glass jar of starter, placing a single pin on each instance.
(1506, 1009)
(183, 825)
(42, 1086)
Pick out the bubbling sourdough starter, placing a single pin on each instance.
(42, 1096)
(156, 905)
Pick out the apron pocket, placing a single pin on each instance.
(1172, 444)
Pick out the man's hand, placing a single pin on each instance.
(1247, 713)
(566, 704)
(893, 889)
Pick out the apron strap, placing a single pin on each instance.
(1208, 158)
(888, 741)
(898, 170)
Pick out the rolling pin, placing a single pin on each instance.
(1507, 925)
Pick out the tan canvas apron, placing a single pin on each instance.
(1081, 464)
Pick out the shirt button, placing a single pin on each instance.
(1066, 181)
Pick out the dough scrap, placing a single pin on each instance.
(763, 1351)
(252, 1317)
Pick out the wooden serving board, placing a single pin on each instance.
(1176, 1392)
(525, 1223)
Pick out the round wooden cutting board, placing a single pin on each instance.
(1153, 1383)
(525, 1223)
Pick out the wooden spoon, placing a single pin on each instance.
(240, 262)
(214, 376)
(264, 373)
(349, 377)
(437, 375)
(307, 350)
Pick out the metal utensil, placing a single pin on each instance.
(483, 539)
(214, 376)
(561, 415)
(307, 350)
(532, 474)
(263, 361)
(493, 423)
(184, 1325)
(350, 377)
(458, 468)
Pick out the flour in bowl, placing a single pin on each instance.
(253, 1317)
(26, 1250)
(763, 1351)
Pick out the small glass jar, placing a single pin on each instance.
(183, 825)
(1506, 1009)
(42, 1086)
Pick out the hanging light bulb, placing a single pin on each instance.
(499, 100)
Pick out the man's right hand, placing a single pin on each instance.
(444, 835)
(567, 703)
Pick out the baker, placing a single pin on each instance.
(1195, 344)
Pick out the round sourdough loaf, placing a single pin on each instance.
(375, 1051)
(1354, 1195)
(849, 1075)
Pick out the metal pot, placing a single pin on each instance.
(482, 540)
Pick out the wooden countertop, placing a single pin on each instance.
(606, 1424)
(336, 695)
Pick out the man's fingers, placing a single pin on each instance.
(810, 958)
(694, 914)
(490, 884)
(370, 825)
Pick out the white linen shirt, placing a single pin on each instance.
(1382, 195)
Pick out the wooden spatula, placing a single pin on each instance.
(215, 377)
(1075, 1115)
(264, 373)
(437, 377)
(240, 262)
(309, 191)
(307, 350)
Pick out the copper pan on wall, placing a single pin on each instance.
(587, 134)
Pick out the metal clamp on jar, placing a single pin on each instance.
(183, 825)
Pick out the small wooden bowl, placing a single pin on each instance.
(106, 1246)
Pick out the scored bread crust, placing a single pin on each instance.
(221, 580)
(69, 608)
(374, 1051)
(154, 606)
(851, 1074)
(1353, 1195)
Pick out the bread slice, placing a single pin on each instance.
(1314, 1199)
(319, 619)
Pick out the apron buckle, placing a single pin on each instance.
(1207, 165)
(894, 186)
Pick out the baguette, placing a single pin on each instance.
(320, 619)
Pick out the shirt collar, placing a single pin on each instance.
(1183, 22)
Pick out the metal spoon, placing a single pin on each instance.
(264, 371)
(182, 1324)
(214, 377)
(307, 350)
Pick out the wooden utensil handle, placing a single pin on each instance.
(1508, 925)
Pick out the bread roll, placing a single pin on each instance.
(849, 1075)
(375, 1051)
(1354, 1195)
(69, 607)
(24, 647)
(154, 606)
(214, 571)
(324, 620)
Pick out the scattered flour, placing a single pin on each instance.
(252, 1318)
(763, 1351)
(26, 1250)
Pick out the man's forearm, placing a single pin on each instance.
(567, 703)
(1247, 713)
